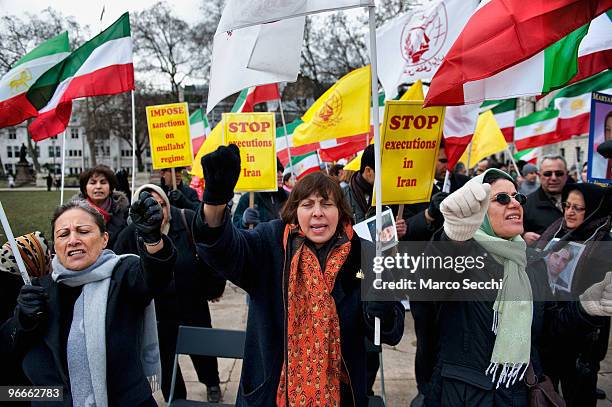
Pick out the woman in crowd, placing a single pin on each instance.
(489, 345)
(89, 326)
(185, 300)
(587, 216)
(98, 187)
(34, 251)
(306, 322)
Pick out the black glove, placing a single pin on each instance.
(177, 198)
(147, 217)
(250, 217)
(31, 305)
(434, 205)
(221, 171)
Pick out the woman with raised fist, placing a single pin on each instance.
(89, 326)
(306, 325)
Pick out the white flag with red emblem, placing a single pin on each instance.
(413, 45)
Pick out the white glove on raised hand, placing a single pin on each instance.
(597, 299)
(464, 210)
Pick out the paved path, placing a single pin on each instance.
(231, 312)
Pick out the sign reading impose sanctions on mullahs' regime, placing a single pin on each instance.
(255, 135)
(409, 151)
(169, 135)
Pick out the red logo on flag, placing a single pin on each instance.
(421, 42)
(329, 114)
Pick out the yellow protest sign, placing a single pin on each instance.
(410, 141)
(169, 135)
(255, 135)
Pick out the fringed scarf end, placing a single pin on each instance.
(510, 372)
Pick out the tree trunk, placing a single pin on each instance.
(2, 168)
(91, 142)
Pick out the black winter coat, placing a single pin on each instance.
(185, 299)
(466, 340)
(133, 284)
(11, 372)
(539, 212)
(255, 261)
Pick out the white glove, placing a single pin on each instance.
(464, 210)
(597, 299)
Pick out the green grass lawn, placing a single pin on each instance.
(30, 211)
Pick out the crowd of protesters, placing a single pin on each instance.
(108, 294)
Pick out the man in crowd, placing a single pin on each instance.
(184, 196)
(530, 179)
(267, 204)
(543, 206)
(336, 171)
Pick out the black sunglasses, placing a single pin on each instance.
(443, 160)
(558, 174)
(504, 198)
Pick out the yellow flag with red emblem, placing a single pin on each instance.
(344, 110)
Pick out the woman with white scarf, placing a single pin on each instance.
(486, 345)
(89, 326)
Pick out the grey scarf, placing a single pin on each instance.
(86, 349)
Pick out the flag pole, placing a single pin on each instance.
(63, 166)
(513, 162)
(133, 143)
(280, 103)
(377, 161)
(446, 186)
(9, 235)
(469, 157)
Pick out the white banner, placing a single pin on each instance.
(241, 13)
(413, 45)
(256, 55)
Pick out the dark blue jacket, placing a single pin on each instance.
(255, 261)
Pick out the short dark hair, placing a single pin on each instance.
(367, 159)
(103, 170)
(287, 177)
(82, 205)
(334, 171)
(323, 185)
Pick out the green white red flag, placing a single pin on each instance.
(305, 164)
(530, 155)
(329, 150)
(254, 95)
(513, 48)
(504, 112)
(101, 66)
(14, 106)
(574, 103)
(198, 129)
(537, 129)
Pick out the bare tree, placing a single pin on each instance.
(19, 35)
(167, 44)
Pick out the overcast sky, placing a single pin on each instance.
(88, 11)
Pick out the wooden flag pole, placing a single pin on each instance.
(173, 178)
(251, 203)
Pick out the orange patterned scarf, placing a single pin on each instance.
(314, 357)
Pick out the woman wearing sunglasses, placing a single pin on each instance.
(488, 342)
(586, 215)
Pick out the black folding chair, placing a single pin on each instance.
(222, 343)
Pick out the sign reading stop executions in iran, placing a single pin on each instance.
(169, 135)
(255, 135)
(409, 151)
